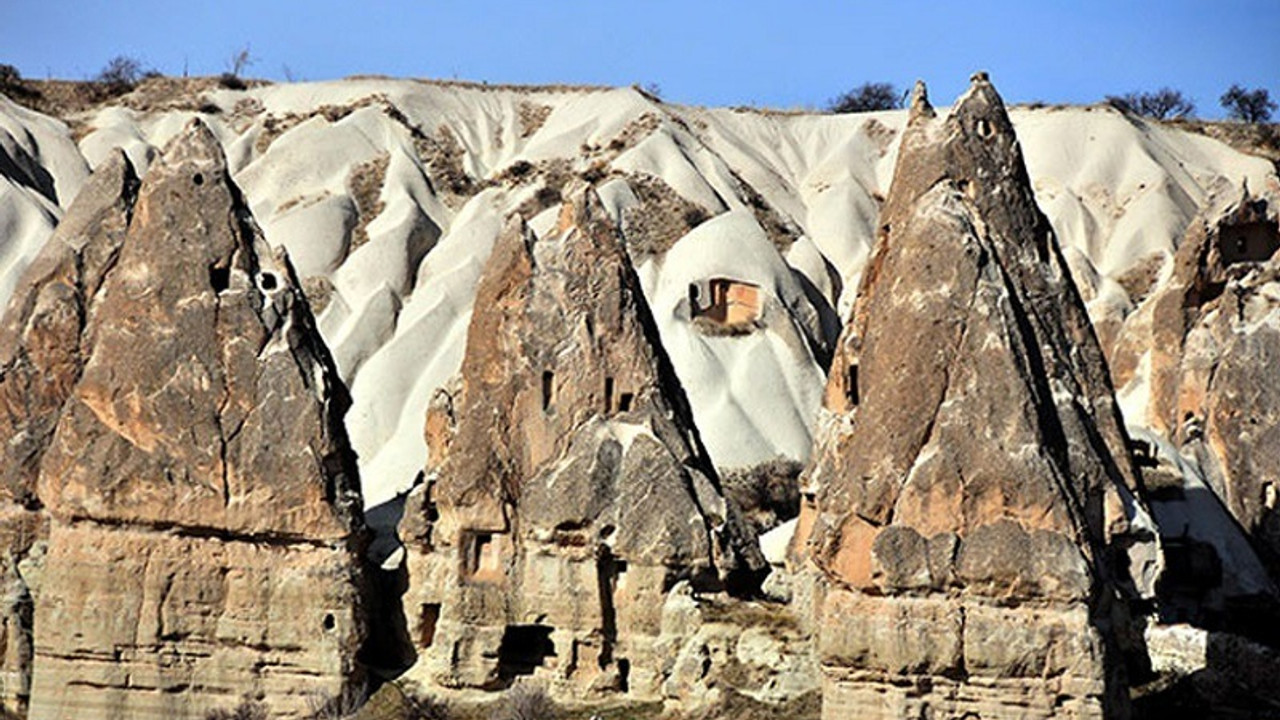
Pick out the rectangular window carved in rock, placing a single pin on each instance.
(427, 624)
(1248, 242)
(479, 556)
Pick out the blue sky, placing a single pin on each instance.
(787, 54)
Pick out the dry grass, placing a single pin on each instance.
(248, 709)
(273, 126)
(66, 98)
(502, 87)
(318, 290)
(443, 155)
(364, 183)
(661, 218)
(713, 328)
(635, 131)
(781, 231)
(554, 174)
(527, 701)
(1260, 139)
(532, 116)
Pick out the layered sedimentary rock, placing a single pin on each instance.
(168, 403)
(971, 489)
(568, 495)
(1209, 341)
(40, 363)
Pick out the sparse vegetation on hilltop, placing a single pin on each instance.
(1251, 106)
(867, 97)
(120, 75)
(1163, 104)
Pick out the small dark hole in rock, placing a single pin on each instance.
(220, 278)
(329, 622)
(268, 281)
(197, 179)
(548, 389)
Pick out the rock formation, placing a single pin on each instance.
(165, 398)
(40, 363)
(568, 495)
(1210, 340)
(972, 489)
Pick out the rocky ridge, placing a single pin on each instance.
(740, 241)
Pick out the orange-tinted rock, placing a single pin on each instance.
(41, 358)
(185, 442)
(971, 460)
(1214, 344)
(568, 490)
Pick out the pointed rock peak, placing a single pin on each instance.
(981, 110)
(195, 145)
(919, 509)
(580, 208)
(176, 406)
(41, 340)
(920, 106)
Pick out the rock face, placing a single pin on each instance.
(1210, 339)
(40, 363)
(568, 493)
(971, 489)
(167, 401)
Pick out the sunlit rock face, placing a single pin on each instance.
(180, 429)
(570, 492)
(972, 492)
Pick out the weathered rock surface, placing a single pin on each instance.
(1208, 342)
(973, 485)
(167, 401)
(568, 491)
(40, 363)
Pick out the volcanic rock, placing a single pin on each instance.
(972, 490)
(1213, 340)
(168, 403)
(40, 363)
(568, 490)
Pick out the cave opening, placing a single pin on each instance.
(524, 648)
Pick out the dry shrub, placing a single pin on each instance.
(344, 706)
(527, 701)
(365, 186)
(662, 217)
(248, 709)
(767, 494)
(532, 117)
